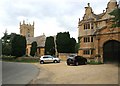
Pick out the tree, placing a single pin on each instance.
(6, 49)
(6, 44)
(72, 45)
(50, 46)
(116, 19)
(77, 46)
(13, 44)
(64, 43)
(18, 44)
(33, 48)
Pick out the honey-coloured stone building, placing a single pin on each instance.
(27, 30)
(98, 40)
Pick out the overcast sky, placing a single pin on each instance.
(50, 16)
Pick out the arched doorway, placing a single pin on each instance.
(111, 51)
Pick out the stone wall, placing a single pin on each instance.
(64, 56)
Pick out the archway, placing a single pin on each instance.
(111, 51)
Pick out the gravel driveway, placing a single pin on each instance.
(60, 73)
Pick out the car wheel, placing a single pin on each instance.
(55, 61)
(68, 63)
(76, 63)
(41, 62)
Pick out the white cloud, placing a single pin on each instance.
(49, 26)
(50, 16)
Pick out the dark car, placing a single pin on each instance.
(76, 60)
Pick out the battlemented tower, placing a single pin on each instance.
(26, 29)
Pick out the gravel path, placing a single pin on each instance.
(60, 73)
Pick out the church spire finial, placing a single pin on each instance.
(23, 21)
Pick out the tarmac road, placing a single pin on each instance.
(18, 73)
(0, 72)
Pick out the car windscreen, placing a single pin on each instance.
(71, 55)
(45, 57)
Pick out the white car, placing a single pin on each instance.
(49, 58)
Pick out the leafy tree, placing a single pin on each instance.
(50, 46)
(77, 46)
(116, 19)
(6, 45)
(13, 44)
(5, 38)
(33, 48)
(64, 43)
(72, 45)
(18, 44)
(6, 49)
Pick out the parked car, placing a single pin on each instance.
(76, 60)
(49, 58)
(72, 55)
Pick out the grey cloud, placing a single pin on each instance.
(40, 9)
(45, 8)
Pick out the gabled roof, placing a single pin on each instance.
(112, 4)
(99, 16)
(39, 39)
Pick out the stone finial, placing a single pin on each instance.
(79, 19)
(23, 21)
(20, 23)
(29, 24)
(33, 23)
(88, 4)
(103, 11)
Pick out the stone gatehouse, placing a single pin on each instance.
(98, 41)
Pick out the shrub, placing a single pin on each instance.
(8, 58)
(20, 59)
(27, 59)
(94, 63)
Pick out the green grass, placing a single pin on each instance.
(20, 59)
(27, 61)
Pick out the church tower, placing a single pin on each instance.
(27, 30)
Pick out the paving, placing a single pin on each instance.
(60, 73)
